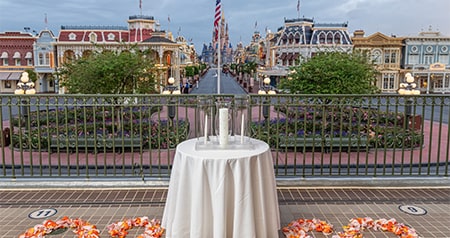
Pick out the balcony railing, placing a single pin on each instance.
(92, 136)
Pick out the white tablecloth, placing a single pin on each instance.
(222, 193)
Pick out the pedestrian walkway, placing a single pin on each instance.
(424, 209)
(208, 84)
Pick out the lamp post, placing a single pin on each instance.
(408, 87)
(266, 89)
(25, 86)
(171, 89)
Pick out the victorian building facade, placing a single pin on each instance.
(298, 39)
(303, 38)
(386, 53)
(79, 41)
(44, 61)
(426, 57)
(45, 53)
(16, 56)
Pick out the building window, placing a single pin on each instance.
(443, 59)
(438, 83)
(413, 59)
(93, 37)
(41, 59)
(393, 57)
(388, 81)
(337, 38)
(17, 62)
(111, 36)
(376, 56)
(72, 36)
(428, 59)
(387, 58)
(330, 38)
(5, 62)
(29, 62)
(322, 38)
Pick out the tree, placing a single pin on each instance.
(32, 75)
(110, 72)
(333, 73)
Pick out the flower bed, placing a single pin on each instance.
(97, 130)
(327, 127)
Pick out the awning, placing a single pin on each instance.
(4, 55)
(28, 55)
(274, 72)
(16, 55)
(15, 76)
(4, 75)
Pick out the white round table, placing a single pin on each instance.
(222, 193)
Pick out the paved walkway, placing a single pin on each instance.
(424, 209)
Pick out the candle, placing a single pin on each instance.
(223, 126)
(242, 128)
(206, 128)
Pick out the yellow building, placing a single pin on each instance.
(386, 53)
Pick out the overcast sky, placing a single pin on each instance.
(193, 19)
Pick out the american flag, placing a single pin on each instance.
(217, 17)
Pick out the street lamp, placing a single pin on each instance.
(25, 86)
(408, 87)
(171, 89)
(266, 88)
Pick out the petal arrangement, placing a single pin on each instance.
(357, 225)
(299, 228)
(152, 227)
(83, 229)
(355, 228)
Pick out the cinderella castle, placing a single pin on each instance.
(210, 52)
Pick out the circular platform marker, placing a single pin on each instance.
(42, 213)
(412, 210)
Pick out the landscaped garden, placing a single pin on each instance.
(328, 126)
(97, 129)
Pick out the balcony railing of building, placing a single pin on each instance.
(97, 136)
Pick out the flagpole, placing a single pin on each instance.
(218, 59)
(218, 24)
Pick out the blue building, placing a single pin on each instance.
(426, 56)
(44, 61)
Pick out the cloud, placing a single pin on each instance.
(195, 17)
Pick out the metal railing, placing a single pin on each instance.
(87, 136)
